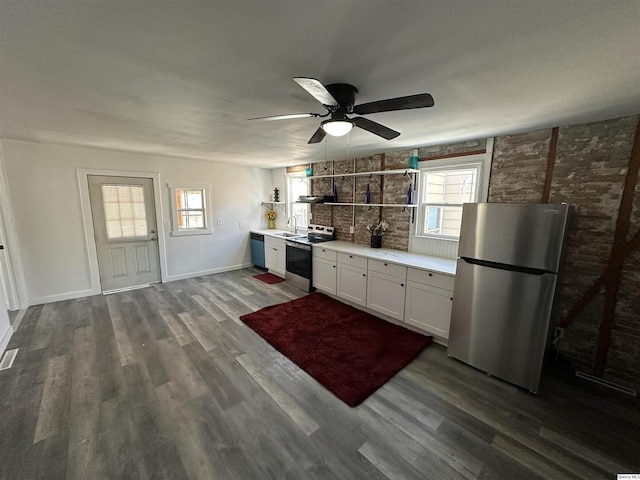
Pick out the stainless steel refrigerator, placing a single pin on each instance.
(506, 275)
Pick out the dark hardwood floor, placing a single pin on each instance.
(166, 383)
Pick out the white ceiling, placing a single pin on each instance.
(181, 78)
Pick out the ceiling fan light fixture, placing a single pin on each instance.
(337, 128)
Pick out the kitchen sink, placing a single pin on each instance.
(288, 235)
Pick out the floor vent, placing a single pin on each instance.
(8, 358)
(606, 383)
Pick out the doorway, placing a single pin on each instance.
(126, 232)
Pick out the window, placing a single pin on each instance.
(124, 211)
(297, 186)
(445, 186)
(189, 210)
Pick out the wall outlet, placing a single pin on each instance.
(352, 229)
(218, 221)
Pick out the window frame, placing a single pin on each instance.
(290, 177)
(481, 161)
(206, 210)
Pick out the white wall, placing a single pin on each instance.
(45, 195)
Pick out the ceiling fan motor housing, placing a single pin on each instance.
(345, 95)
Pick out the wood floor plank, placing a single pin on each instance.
(198, 331)
(178, 329)
(180, 369)
(84, 458)
(189, 439)
(291, 408)
(54, 398)
(125, 349)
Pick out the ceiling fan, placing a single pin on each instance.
(338, 100)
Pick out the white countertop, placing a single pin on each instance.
(415, 260)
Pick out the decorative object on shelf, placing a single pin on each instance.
(410, 194)
(335, 193)
(377, 231)
(413, 159)
(276, 195)
(309, 171)
(367, 195)
(270, 215)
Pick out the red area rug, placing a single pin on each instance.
(269, 278)
(348, 351)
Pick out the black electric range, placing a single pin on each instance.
(299, 260)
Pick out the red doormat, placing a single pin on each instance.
(348, 351)
(269, 278)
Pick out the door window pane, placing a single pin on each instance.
(124, 211)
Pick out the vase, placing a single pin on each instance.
(272, 224)
(376, 241)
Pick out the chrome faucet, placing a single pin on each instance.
(295, 223)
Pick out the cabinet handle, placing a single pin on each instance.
(333, 266)
(350, 256)
(323, 250)
(275, 249)
(363, 275)
(430, 274)
(385, 264)
(451, 298)
(402, 284)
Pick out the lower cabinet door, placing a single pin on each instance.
(352, 284)
(428, 308)
(271, 257)
(385, 294)
(324, 275)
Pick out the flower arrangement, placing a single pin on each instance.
(270, 215)
(379, 229)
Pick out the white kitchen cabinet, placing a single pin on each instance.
(324, 270)
(325, 276)
(352, 278)
(275, 255)
(428, 306)
(386, 288)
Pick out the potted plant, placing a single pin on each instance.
(377, 231)
(270, 215)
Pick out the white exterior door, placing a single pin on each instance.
(124, 223)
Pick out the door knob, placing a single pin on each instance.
(153, 231)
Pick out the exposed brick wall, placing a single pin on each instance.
(589, 174)
(518, 167)
(384, 189)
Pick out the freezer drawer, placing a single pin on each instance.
(500, 320)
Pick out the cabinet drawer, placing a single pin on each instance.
(434, 279)
(387, 268)
(324, 253)
(353, 260)
(273, 242)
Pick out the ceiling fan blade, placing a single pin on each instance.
(421, 100)
(317, 90)
(375, 128)
(318, 136)
(285, 117)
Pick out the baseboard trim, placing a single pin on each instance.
(184, 276)
(60, 297)
(4, 341)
